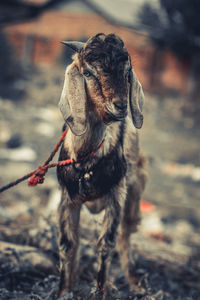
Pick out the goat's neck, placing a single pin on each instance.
(79, 146)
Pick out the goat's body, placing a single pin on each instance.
(117, 179)
(112, 179)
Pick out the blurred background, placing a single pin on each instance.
(163, 39)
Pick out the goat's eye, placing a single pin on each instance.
(86, 73)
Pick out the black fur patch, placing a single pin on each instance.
(106, 174)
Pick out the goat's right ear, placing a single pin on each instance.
(73, 101)
(74, 45)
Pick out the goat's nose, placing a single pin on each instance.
(120, 105)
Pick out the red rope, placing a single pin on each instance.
(37, 176)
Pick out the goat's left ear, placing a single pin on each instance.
(136, 99)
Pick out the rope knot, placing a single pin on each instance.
(38, 176)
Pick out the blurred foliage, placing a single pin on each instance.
(12, 11)
(176, 27)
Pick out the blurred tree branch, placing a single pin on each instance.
(176, 26)
(14, 11)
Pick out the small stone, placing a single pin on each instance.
(14, 141)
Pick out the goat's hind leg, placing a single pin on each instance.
(129, 221)
(68, 221)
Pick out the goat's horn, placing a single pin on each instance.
(76, 46)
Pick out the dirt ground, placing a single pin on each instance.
(166, 248)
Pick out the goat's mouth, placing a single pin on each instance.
(115, 117)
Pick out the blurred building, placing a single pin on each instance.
(37, 41)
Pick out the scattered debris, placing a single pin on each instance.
(182, 170)
(146, 207)
(23, 154)
(165, 249)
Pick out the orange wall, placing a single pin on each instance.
(156, 70)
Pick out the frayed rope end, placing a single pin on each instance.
(38, 176)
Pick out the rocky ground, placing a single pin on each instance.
(166, 248)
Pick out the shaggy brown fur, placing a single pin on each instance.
(99, 85)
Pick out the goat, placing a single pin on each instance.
(108, 171)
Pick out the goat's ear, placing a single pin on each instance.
(73, 101)
(136, 99)
(74, 45)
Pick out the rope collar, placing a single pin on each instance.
(37, 176)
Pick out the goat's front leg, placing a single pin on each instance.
(68, 221)
(106, 241)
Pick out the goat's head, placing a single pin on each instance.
(101, 79)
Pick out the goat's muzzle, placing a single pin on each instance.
(120, 106)
(117, 111)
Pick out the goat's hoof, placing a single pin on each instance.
(100, 294)
(96, 294)
(137, 291)
(66, 296)
(134, 285)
